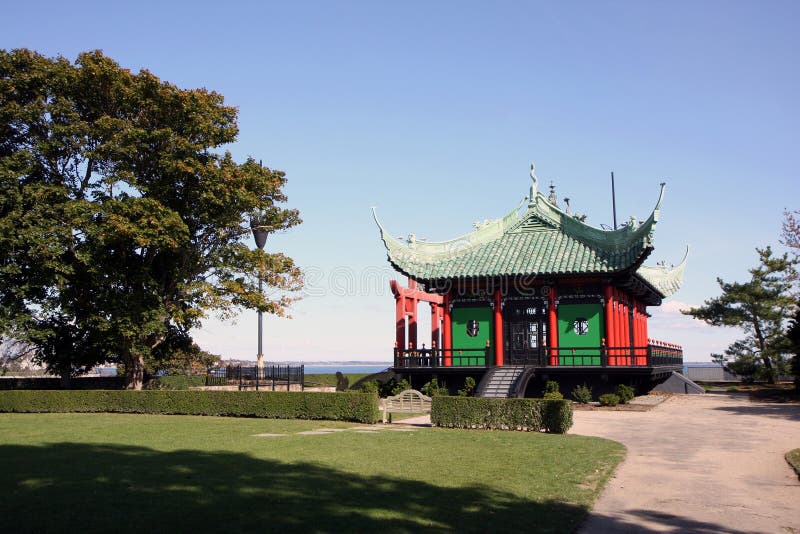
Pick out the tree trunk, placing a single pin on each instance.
(762, 343)
(134, 371)
(65, 380)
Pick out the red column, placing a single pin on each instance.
(413, 305)
(626, 330)
(609, 322)
(436, 315)
(645, 337)
(498, 328)
(552, 325)
(447, 338)
(619, 329)
(400, 322)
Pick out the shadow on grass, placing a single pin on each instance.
(93, 488)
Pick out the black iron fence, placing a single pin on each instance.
(652, 355)
(272, 377)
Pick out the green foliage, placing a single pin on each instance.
(469, 388)
(342, 382)
(372, 387)
(398, 386)
(760, 307)
(433, 389)
(732, 389)
(122, 220)
(609, 399)
(278, 405)
(551, 391)
(793, 457)
(582, 394)
(625, 393)
(531, 415)
(793, 335)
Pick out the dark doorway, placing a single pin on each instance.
(525, 332)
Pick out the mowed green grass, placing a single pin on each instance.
(150, 473)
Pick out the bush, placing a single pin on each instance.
(531, 415)
(342, 382)
(582, 394)
(625, 393)
(609, 399)
(371, 386)
(469, 388)
(551, 391)
(433, 389)
(356, 407)
(556, 416)
(399, 387)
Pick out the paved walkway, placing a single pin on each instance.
(699, 463)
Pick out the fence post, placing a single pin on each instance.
(302, 378)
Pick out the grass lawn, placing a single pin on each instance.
(793, 457)
(119, 472)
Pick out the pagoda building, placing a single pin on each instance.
(533, 296)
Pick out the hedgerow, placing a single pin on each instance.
(358, 407)
(531, 415)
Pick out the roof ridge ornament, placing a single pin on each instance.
(534, 184)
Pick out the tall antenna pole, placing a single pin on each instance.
(613, 200)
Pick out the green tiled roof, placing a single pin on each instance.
(666, 280)
(542, 240)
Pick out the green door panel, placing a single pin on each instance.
(475, 345)
(588, 332)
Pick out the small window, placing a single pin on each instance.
(581, 326)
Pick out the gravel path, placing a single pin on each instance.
(699, 463)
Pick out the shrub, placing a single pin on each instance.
(371, 386)
(399, 387)
(582, 394)
(609, 399)
(356, 407)
(551, 391)
(505, 414)
(342, 382)
(732, 389)
(433, 389)
(556, 416)
(469, 388)
(625, 393)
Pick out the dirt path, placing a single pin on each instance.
(699, 463)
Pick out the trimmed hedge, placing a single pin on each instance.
(358, 407)
(531, 415)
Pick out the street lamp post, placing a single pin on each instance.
(260, 235)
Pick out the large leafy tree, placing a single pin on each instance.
(761, 307)
(122, 223)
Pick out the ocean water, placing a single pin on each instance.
(331, 369)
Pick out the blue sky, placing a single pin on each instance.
(433, 111)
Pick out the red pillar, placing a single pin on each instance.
(498, 328)
(400, 322)
(609, 322)
(619, 325)
(626, 330)
(447, 341)
(413, 305)
(552, 325)
(436, 317)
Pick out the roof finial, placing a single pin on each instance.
(566, 203)
(552, 198)
(534, 184)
